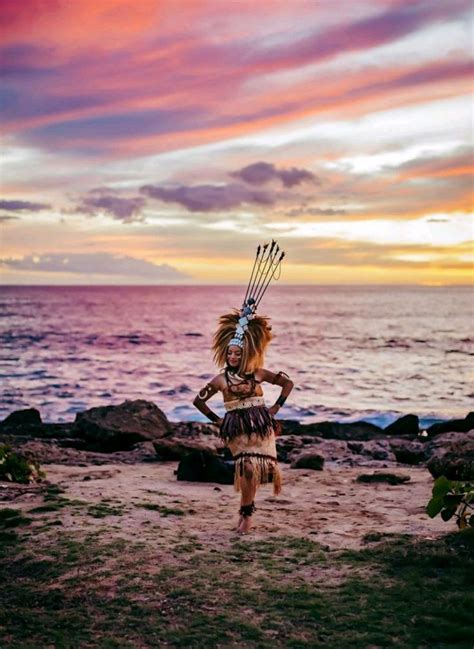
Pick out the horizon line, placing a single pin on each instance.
(175, 285)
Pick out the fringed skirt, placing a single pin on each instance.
(248, 431)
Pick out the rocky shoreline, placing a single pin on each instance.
(128, 540)
(138, 431)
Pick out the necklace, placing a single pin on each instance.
(241, 385)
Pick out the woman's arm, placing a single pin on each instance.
(281, 379)
(203, 395)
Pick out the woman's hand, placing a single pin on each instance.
(274, 409)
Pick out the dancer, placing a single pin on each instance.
(249, 428)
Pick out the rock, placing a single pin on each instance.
(446, 440)
(176, 448)
(192, 429)
(188, 436)
(290, 427)
(338, 450)
(116, 428)
(359, 430)
(383, 476)
(407, 425)
(22, 418)
(452, 455)
(453, 425)
(41, 431)
(287, 445)
(334, 450)
(309, 460)
(355, 447)
(202, 466)
(73, 442)
(409, 451)
(377, 449)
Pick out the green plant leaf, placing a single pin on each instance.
(446, 514)
(441, 486)
(451, 500)
(435, 506)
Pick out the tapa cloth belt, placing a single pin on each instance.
(237, 404)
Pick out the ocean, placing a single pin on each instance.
(354, 352)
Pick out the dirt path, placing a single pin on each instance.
(145, 502)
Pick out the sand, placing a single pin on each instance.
(327, 506)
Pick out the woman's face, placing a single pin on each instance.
(234, 355)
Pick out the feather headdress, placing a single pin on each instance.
(244, 328)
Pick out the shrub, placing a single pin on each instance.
(452, 498)
(18, 467)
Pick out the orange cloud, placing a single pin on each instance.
(461, 165)
(71, 26)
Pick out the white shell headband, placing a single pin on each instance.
(265, 268)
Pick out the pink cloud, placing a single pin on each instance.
(122, 209)
(259, 173)
(182, 85)
(207, 198)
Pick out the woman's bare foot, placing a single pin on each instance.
(245, 525)
(246, 512)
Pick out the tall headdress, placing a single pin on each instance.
(244, 327)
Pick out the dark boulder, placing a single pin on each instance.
(309, 460)
(358, 430)
(192, 429)
(407, 425)
(118, 428)
(202, 466)
(22, 418)
(376, 449)
(340, 451)
(452, 455)
(290, 426)
(409, 451)
(40, 431)
(383, 476)
(176, 448)
(452, 425)
(288, 445)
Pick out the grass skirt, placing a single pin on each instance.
(251, 440)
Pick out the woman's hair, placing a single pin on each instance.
(256, 339)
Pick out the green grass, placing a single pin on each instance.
(163, 509)
(103, 509)
(60, 590)
(12, 518)
(54, 501)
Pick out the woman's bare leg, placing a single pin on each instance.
(248, 486)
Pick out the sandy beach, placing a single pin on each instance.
(327, 506)
(111, 550)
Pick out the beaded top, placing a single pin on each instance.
(238, 404)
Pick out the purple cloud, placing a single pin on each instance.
(127, 210)
(397, 21)
(23, 206)
(207, 198)
(102, 263)
(260, 173)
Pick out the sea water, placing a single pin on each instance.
(353, 352)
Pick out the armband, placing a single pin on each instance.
(280, 401)
(279, 374)
(207, 391)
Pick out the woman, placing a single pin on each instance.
(249, 427)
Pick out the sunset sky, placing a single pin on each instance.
(159, 141)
